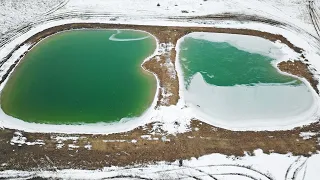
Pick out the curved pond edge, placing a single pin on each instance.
(169, 113)
(311, 114)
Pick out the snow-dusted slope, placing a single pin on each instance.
(293, 11)
(14, 13)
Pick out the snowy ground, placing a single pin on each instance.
(215, 166)
(22, 19)
(14, 13)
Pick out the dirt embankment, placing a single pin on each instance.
(300, 69)
(146, 144)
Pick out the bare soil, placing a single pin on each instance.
(300, 69)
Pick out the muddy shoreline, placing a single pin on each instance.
(201, 140)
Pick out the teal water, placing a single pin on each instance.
(82, 77)
(236, 88)
(222, 64)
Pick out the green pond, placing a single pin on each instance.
(222, 64)
(238, 87)
(82, 76)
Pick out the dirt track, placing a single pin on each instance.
(119, 149)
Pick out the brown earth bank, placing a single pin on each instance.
(146, 144)
(300, 69)
(133, 147)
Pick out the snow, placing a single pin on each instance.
(165, 139)
(59, 146)
(281, 105)
(297, 29)
(293, 11)
(65, 138)
(307, 135)
(114, 140)
(11, 60)
(88, 146)
(20, 140)
(242, 42)
(72, 146)
(114, 38)
(259, 166)
(16, 12)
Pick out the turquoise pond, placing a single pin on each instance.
(226, 82)
(82, 76)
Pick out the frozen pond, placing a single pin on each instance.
(228, 82)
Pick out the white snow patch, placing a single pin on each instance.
(59, 146)
(164, 48)
(72, 146)
(19, 139)
(88, 146)
(65, 138)
(281, 106)
(165, 139)
(16, 55)
(307, 135)
(247, 43)
(114, 38)
(147, 137)
(116, 140)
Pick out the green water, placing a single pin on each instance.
(222, 64)
(82, 77)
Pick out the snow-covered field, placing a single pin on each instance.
(215, 166)
(14, 13)
(22, 19)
